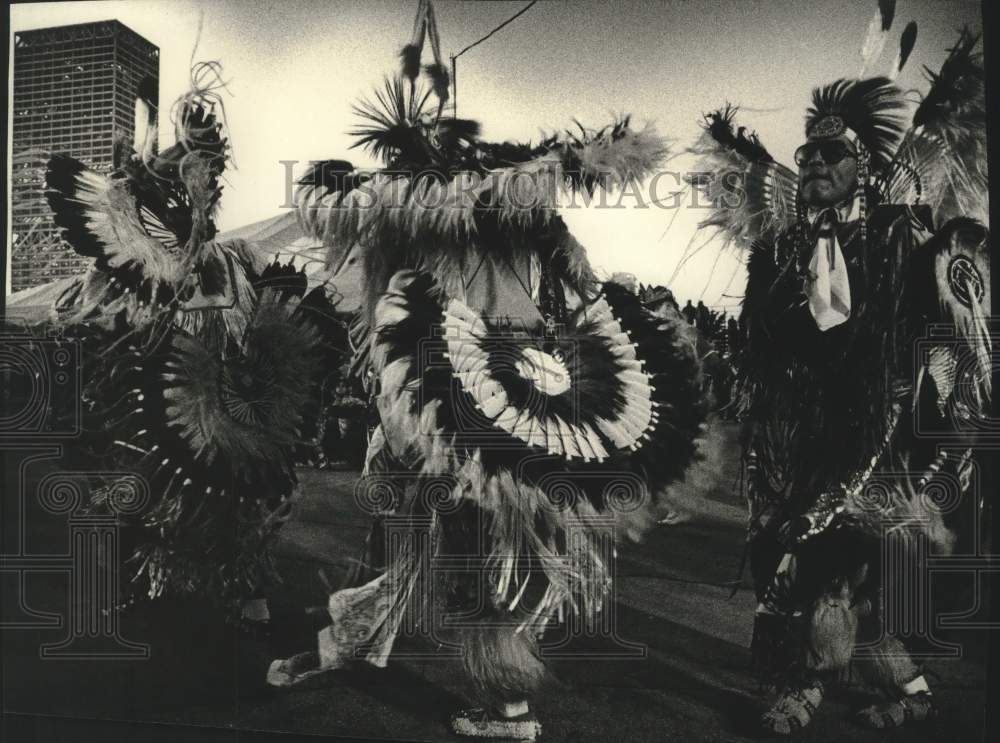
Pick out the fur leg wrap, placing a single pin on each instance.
(832, 643)
(886, 664)
(503, 664)
(832, 633)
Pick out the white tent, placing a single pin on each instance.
(279, 237)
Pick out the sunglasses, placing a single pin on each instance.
(831, 152)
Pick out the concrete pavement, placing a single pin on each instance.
(672, 605)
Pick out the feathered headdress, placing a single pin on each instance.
(868, 108)
(150, 226)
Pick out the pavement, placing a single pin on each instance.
(682, 628)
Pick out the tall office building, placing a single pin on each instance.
(74, 93)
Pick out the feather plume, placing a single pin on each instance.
(719, 125)
(419, 32)
(393, 126)
(878, 31)
(610, 157)
(752, 196)
(145, 129)
(906, 44)
(440, 80)
(410, 58)
(444, 191)
(180, 185)
(887, 9)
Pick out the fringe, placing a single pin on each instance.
(431, 207)
(437, 216)
(811, 423)
(501, 501)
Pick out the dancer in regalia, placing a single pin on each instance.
(850, 437)
(201, 357)
(522, 401)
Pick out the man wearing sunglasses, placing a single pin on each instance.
(826, 399)
(828, 170)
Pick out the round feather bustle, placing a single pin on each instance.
(538, 478)
(538, 376)
(633, 400)
(247, 407)
(212, 431)
(962, 273)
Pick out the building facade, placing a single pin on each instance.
(74, 93)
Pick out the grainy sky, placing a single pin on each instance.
(295, 67)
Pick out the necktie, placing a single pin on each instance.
(828, 288)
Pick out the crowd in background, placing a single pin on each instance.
(719, 339)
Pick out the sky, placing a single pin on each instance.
(294, 68)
